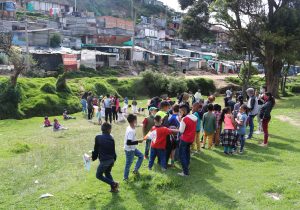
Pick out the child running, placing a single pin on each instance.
(158, 137)
(104, 150)
(130, 143)
(241, 122)
(229, 135)
(209, 126)
(148, 123)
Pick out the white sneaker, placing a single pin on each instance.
(182, 174)
(257, 132)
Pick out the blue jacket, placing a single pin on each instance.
(104, 148)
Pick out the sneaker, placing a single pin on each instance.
(249, 137)
(125, 180)
(115, 188)
(257, 132)
(263, 145)
(163, 169)
(203, 147)
(146, 157)
(182, 174)
(241, 152)
(137, 173)
(226, 153)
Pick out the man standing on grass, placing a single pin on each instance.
(253, 110)
(187, 129)
(104, 149)
(90, 105)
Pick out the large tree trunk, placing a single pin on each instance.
(272, 70)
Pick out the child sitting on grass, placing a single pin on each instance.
(241, 121)
(66, 116)
(158, 137)
(47, 122)
(104, 150)
(57, 126)
(130, 143)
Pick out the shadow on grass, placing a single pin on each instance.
(116, 202)
(289, 140)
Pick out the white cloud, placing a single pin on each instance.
(172, 4)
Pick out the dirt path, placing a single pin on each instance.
(287, 119)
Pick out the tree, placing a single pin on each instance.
(55, 40)
(267, 29)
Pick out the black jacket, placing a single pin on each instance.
(265, 112)
(104, 148)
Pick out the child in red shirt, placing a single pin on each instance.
(158, 136)
(47, 122)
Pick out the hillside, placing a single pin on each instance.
(120, 8)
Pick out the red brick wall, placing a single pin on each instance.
(112, 22)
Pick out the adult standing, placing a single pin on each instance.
(83, 102)
(114, 108)
(198, 96)
(108, 108)
(253, 110)
(227, 98)
(261, 100)
(90, 105)
(265, 116)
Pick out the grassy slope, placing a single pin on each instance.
(216, 181)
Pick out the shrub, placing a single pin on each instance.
(55, 40)
(176, 86)
(206, 86)
(48, 88)
(100, 89)
(154, 83)
(295, 88)
(61, 84)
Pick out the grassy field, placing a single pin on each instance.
(29, 153)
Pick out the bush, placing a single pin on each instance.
(100, 89)
(154, 83)
(61, 84)
(20, 148)
(206, 86)
(48, 88)
(295, 88)
(55, 40)
(176, 86)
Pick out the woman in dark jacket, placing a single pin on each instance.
(265, 116)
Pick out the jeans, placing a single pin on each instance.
(108, 113)
(251, 125)
(169, 147)
(84, 104)
(265, 126)
(242, 142)
(129, 159)
(114, 113)
(90, 113)
(161, 153)
(228, 149)
(147, 147)
(105, 167)
(185, 156)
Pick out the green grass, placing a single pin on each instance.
(216, 181)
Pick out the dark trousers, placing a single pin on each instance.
(185, 156)
(90, 113)
(251, 125)
(265, 126)
(105, 168)
(114, 113)
(147, 147)
(108, 114)
(169, 148)
(161, 153)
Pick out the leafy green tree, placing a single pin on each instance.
(268, 30)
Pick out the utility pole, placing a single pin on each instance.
(27, 41)
(133, 15)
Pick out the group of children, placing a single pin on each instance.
(56, 125)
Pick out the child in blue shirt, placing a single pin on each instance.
(241, 121)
